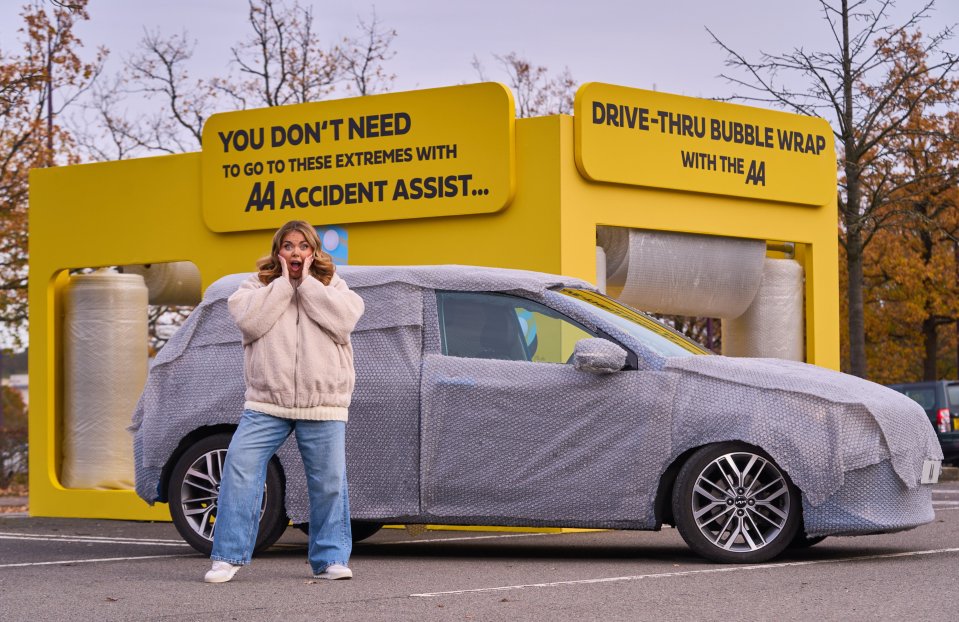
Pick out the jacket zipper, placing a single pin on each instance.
(296, 347)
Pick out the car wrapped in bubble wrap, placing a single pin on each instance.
(489, 396)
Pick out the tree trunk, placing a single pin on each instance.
(955, 248)
(851, 211)
(856, 322)
(930, 323)
(931, 342)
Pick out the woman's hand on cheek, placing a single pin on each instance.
(306, 265)
(285, 268)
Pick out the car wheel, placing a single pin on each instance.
(733, 504)
(194, 488)
(361, 530)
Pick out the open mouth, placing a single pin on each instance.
(296, 265)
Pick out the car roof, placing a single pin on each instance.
(444, 277)
(458, 277)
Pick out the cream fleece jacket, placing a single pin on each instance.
(298, 360)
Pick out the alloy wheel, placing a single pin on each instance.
(200, 491)
(741, 502)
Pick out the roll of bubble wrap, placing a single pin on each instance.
(682, 273)
(105, 368)
(772, 326)
(601, 269)
(174, 283)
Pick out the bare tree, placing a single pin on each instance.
(537, 93)
(362, 58)
(282, 61)
(103, 127)
(860, 90)
(160, 71)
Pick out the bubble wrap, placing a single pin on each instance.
(461, 278)
(564, 446)
(598, 356)
(797, 413)
(173, 283)
(773, 324)
(871, 500)
(441, 439)
(104, 364)
(681, 273)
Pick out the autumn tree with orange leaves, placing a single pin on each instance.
(37, 83)
(911, 305)
(911, 275)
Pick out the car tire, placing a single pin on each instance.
(361, 530)
(194, 487)
(733, 504)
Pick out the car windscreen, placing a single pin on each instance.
(655, 336)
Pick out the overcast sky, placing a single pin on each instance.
(641, 43)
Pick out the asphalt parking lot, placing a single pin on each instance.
(69, 569)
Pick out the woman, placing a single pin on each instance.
(296, 316)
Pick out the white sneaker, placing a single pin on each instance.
(221, 572)
(335, 571)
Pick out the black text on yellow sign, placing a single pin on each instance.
(404, 155)
(667, 141)
(267, 196)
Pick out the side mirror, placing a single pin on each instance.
(598, 356)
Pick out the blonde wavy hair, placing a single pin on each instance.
(322, 267)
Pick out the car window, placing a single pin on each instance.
(655, 336)
(499, 326)
(952, 394)
(924, 397)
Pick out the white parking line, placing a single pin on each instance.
(90, 541)
(91, 561)
(685, 573)
(6, 535)
(107, 538)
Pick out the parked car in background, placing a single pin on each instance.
(502, 397)
(940, 400)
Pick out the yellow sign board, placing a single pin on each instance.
(645, 138)
(434, 152)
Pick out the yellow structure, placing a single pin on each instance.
(428, 177)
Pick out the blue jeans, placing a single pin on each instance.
(322, 446)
